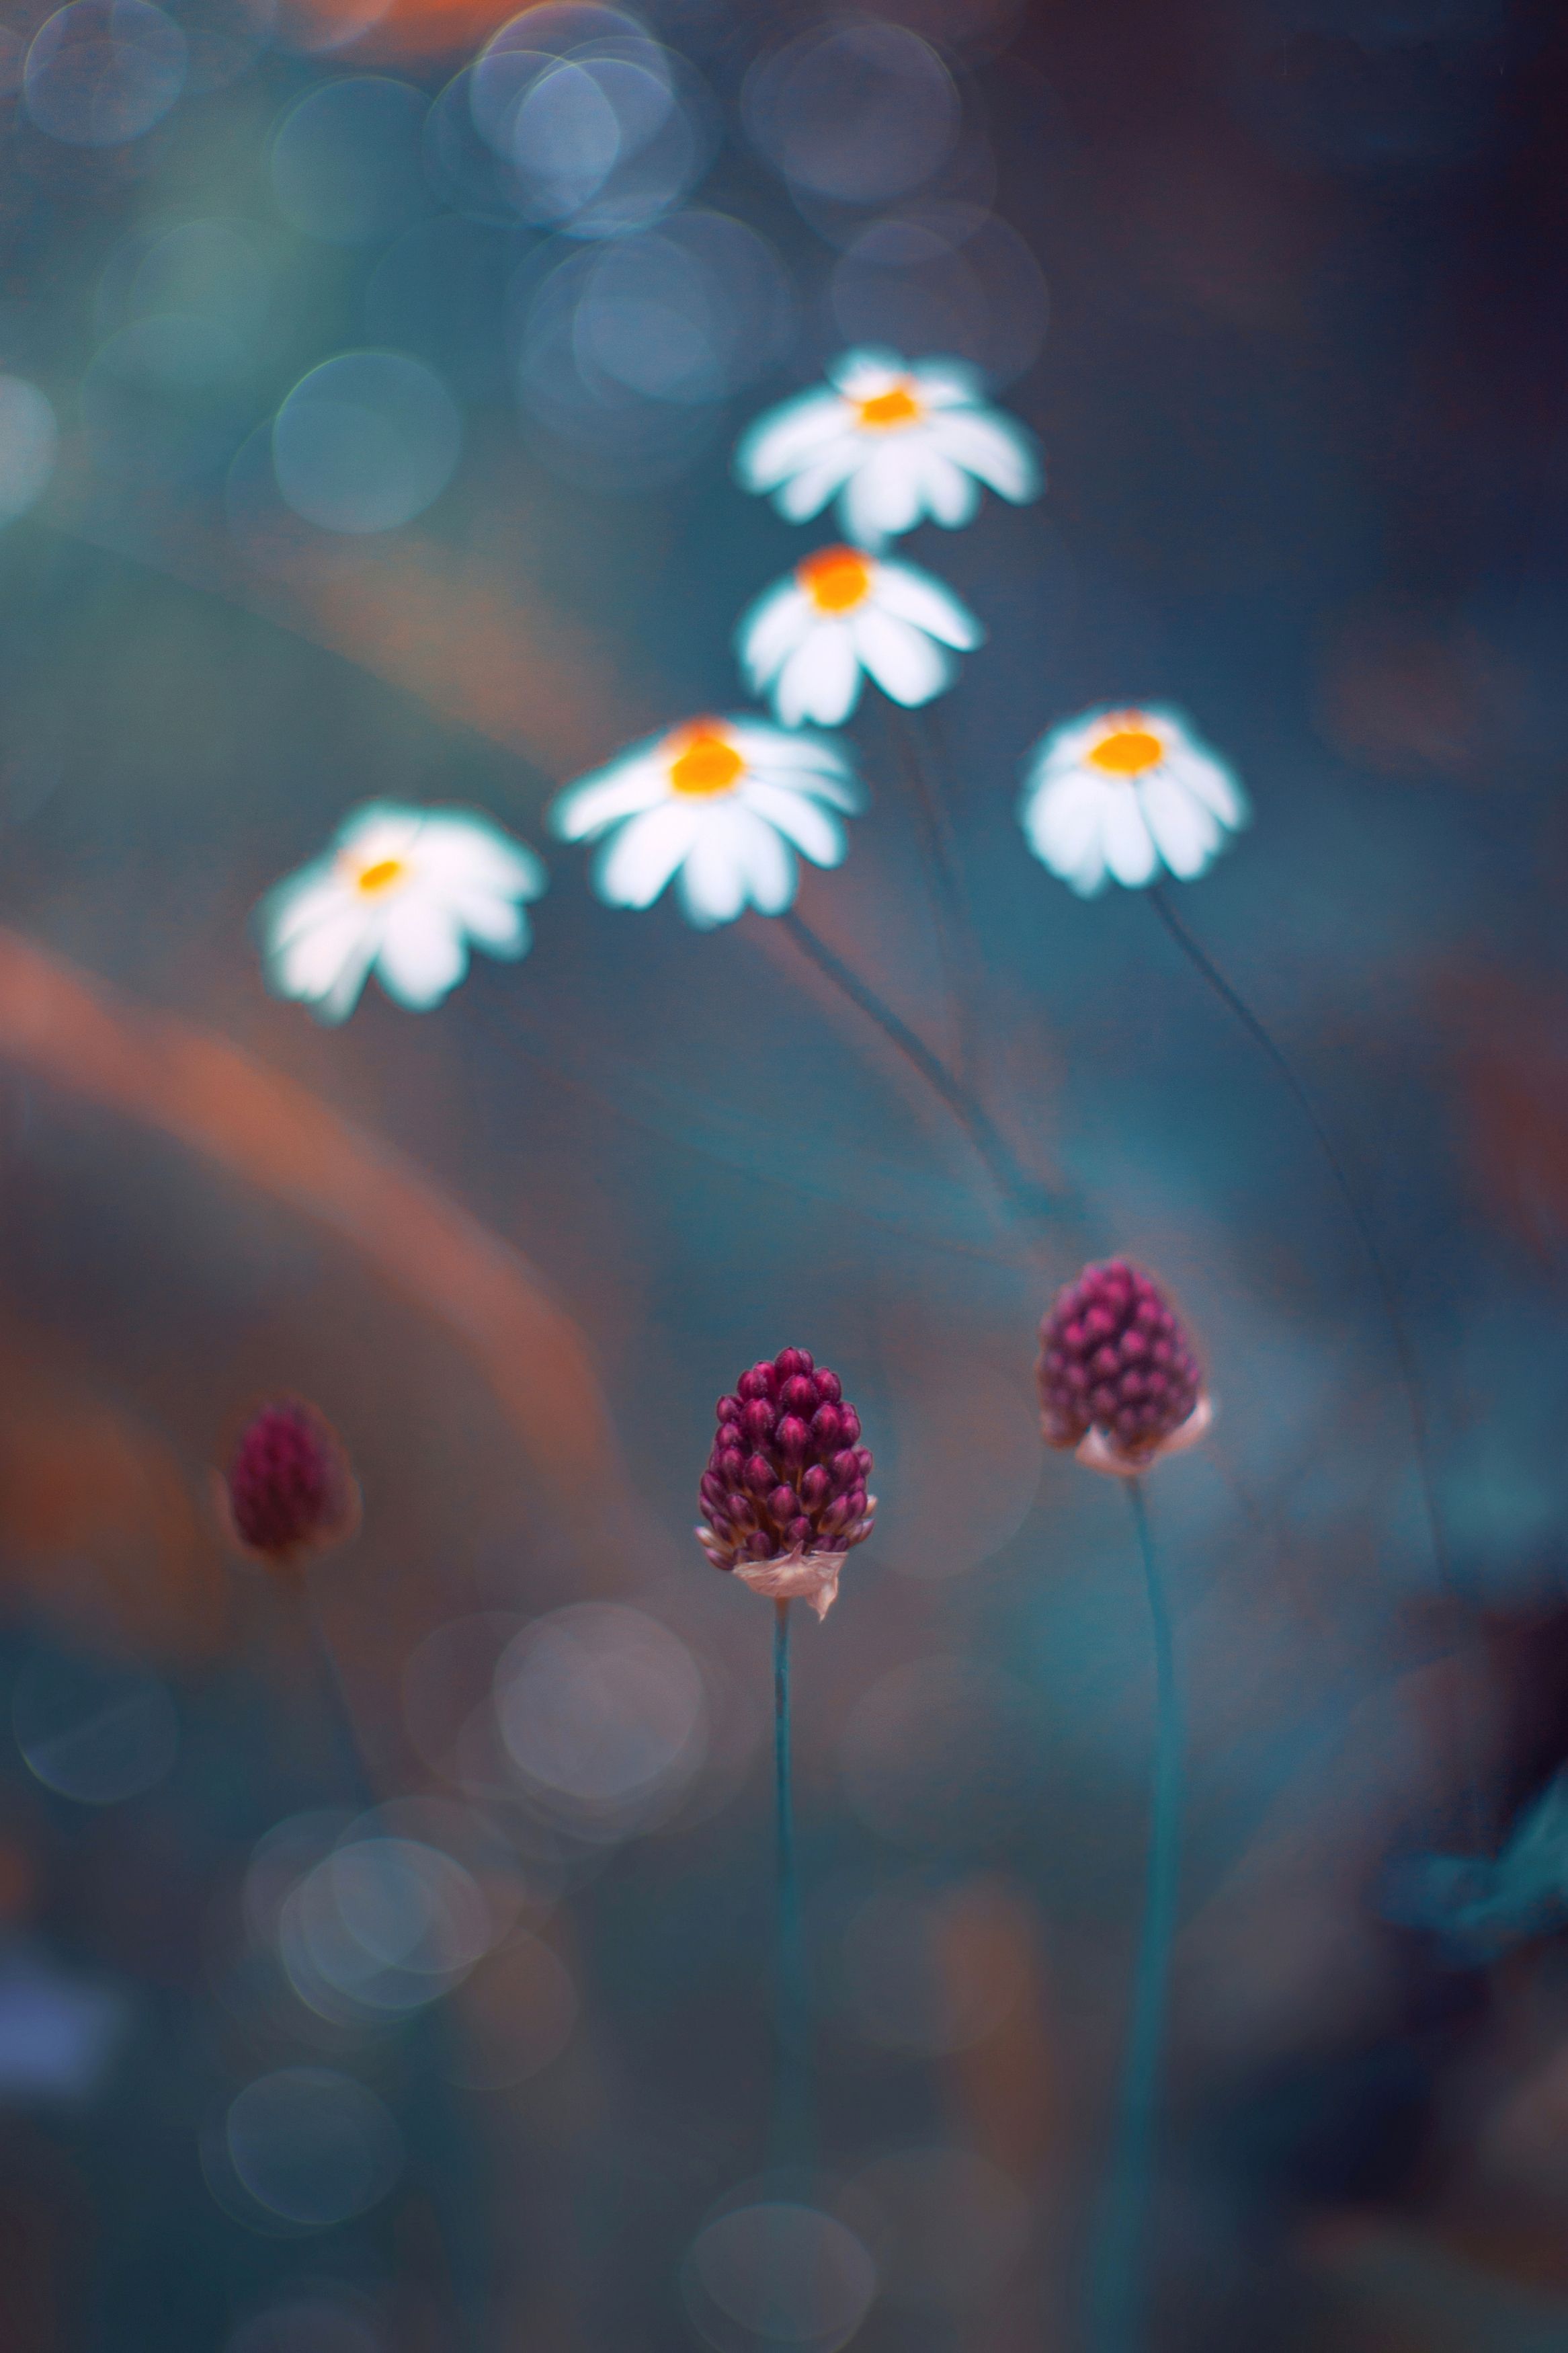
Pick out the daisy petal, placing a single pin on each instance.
(463, 850)
(947, 383)
(314, 896)
(821, 680)
(811, 764)
(625, 788)
(317, 964)
(713, 878)
(1129, 850)
(422, 954)
(808, 492)
(769, 633)
(915, 595)
(379, 829)
(1186, 834)
(869, 369)
(951, 496)
(815, 831)
(769, 867)
(1214, 784)
(993, 447)
(881, 499)
(1063, 821)
(787, 438)
(496, 923)
(906, 664)
(634, 866)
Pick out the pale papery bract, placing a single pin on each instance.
(895, 442)
(403, 892)
(721, 805)
(843, 616)
(1123, 790)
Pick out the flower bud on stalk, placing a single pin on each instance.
(785, 1493)
(289, 1493)
(1117, 1378)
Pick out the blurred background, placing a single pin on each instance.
(369, 371)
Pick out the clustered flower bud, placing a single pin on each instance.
(786, 1479)
(1116, 1369)
(290, 1490)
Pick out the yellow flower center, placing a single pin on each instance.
(705, 762)
(380, 875)
(835, 579)
(1128, 751)
(886, 411)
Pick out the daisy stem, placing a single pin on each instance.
(1117, 2291)
(1018, 1190)
(792, 2098)
(1403, 1347)
(337, 1694)
(920, 758)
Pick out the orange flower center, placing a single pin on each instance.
(1127, 752)
(380, 875)
(706, 762)
(885, 411)
(835, 579)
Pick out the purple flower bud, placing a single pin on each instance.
(290, 1492)
(1114, 1358)
(786, 1477)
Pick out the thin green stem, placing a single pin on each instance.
(337, 1696)
(792, 2121)
(1399, 1333)
(911, 732)
(1020, 1192)
(1116, 2284)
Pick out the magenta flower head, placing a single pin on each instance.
(289, 1493)
(784, 1493)
(1117, 1378)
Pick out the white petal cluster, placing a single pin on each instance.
(1115, 794)
(893, 441)
(721, 804)
(842, 616)
(401, 893)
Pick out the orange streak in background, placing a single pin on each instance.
(209, 1094)
(474, 649)
(467, 637)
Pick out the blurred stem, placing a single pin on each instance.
(1403, 1348)
(1021, 1193)
(338, 1706)
(1116, 2285)
(792, 2132)
(915, 735)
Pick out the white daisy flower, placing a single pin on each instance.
(724, 803)
(401, 893)
(1114, 793)
(894, 442)
(842, 613)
